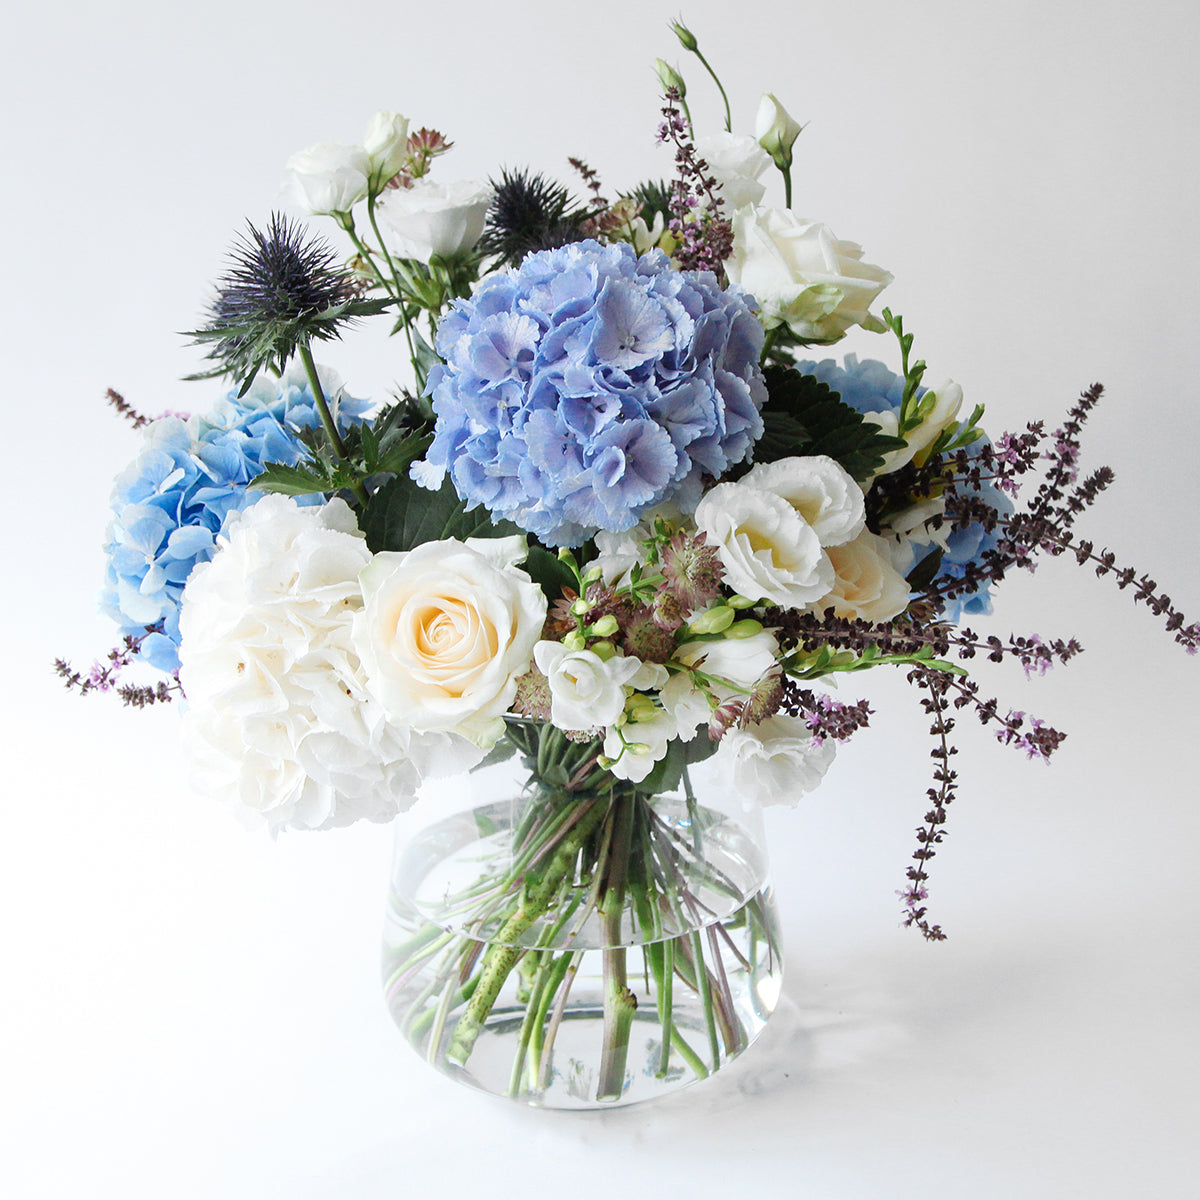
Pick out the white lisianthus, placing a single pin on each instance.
(866, 584)
(446, 630)
(386, 145)
(769, 551)
(279, 720)
(436, 219)
(636, 746)
(775, 129)
(585, 690)
(778, 760)
(738, 662)
(944, 401)
(327, 178)
(735, 162)
(820, 489)
(802, 276)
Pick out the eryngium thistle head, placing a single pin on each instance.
(282, 289)
(529, 213)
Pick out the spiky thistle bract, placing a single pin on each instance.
(530, 212)
(283, 289)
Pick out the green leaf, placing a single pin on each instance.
(402, 515)
(668, 771)
(803, 416)
(549, 572)
(925, 572)
(290, 481)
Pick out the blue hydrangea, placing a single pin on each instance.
(170, 503)
(591, 385)
(870, 387)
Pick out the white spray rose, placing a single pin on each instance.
(820, 489)
(585, 690)
(768, 550)
(776, 761)
(279, 720)
(866, 584)
(431, 218)
(446, 631)
(802, 276)
(327, 178)
(386, 145)
(736, 163)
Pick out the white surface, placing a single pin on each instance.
(190, 1011)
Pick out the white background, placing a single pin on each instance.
(187, 1010)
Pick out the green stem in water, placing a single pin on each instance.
(620, 1003)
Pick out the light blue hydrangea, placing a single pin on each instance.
(591, 385)
(870, 387)
(170, 503)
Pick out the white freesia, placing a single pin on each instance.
(775, 129)
(768, 550)
(739, 663)
(735, 162)
(820, 489)
(776, 761)
(638, 745)
(431, 218)
(386, 145)
(802, 276)
(585, 690)
(944, 402)
(327, 178)
(866, 586)
(446, 630)
(686, 703)
(279, 720)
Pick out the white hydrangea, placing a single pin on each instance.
(279, 721)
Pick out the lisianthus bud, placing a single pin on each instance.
(386, 145)
(776, 130)
(687, 39)
(669, 77)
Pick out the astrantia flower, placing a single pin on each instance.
(170, 503)
(589, 386)
(279, 721)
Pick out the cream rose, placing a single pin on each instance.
(866, 584)
(801, 275)
(431, 218)
(769, 551)
(446, 630)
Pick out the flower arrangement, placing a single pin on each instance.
(623, 527)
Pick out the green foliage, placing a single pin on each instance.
(402, 515)
(804, 416)
(549, 572)
(825, 660)
(668, 771)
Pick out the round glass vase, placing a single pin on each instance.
(581, 943)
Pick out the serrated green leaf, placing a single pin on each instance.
(402, 515)
(290, 481)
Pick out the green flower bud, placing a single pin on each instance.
(669, 77)
(574, 640)
(744, 629)
(581, 607)
(687, 39)
(741, 602)
(605, 627)
(603, 650)
(640, 708)
(776, 131)
(713, 620)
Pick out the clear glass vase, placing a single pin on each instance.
(578, 942)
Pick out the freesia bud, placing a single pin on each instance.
(776, 130)
(574, 640)
(714, 620)
(744, 628)
(605, 627)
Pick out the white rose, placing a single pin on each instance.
(638, 745)
(943, 401)
(585, 691)
(801, 275)
(327, 178)
(279, 720)
(386, 145)
(431, 218)
(867, 585)
(775, 129)
(446, 630)
(735, 162)
(768, 550)
(821, 490)
(777, 760)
